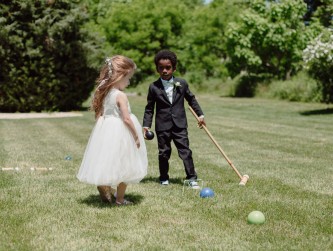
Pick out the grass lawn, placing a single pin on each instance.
(285, 148)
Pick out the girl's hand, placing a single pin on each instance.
(137, 142)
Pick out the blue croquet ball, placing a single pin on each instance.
(206, 192)
(149, 135)
(256, 217)
(68, 157)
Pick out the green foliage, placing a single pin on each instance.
(318, 57)
(244, 85)
(269, 39)
(43, 56)
(97, 9)
(300, 88)
(321, 10)
(230, 10)
(191, 29)
(325, 13)
(154, 26)
(201, 47)
(49, 58)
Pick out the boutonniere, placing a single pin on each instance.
(177, 84)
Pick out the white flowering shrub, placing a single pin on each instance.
(318, 58)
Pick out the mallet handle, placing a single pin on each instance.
(216, 144)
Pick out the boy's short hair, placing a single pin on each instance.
(166, 54)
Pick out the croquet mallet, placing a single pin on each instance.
(244, 178)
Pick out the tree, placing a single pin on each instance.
(321, 9)
(194, 30)
(318, 57)
(201, 46)
(43, 56)
(269, 40)
(139, 29)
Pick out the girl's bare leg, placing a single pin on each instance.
(121, 189)
(113, 192)
(105, 193)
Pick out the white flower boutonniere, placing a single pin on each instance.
(177, 84)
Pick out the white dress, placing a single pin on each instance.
(111, 155)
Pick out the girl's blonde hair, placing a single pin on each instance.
(115, 69)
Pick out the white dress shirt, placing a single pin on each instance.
(168, 87)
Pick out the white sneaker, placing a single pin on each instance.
(164, 183)
(193, 184)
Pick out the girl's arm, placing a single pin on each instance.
(122, 104)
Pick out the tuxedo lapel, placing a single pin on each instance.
(176, 91)
(174, 94)
(161, 89)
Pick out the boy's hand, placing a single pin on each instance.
(201, 122)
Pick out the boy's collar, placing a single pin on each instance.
(171, 80)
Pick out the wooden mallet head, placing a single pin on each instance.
(244, 179)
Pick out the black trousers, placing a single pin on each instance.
(180, 138)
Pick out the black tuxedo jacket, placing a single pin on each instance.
(168, 114)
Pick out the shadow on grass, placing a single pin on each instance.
(151, 179)
(318, 112)
(95, 201)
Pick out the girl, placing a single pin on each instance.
(116, 153)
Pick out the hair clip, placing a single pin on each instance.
(103, 82)
(108, 61)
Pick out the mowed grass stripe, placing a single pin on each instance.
(289, 182)
(44, 139)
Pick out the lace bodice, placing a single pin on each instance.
(110, 104)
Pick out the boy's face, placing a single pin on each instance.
(165, 69)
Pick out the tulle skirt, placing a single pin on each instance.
(111, 155)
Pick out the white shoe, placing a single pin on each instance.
(194, 185)
(164, 183)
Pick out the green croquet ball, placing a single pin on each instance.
(256, 217)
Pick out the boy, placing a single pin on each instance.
(168, 94)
